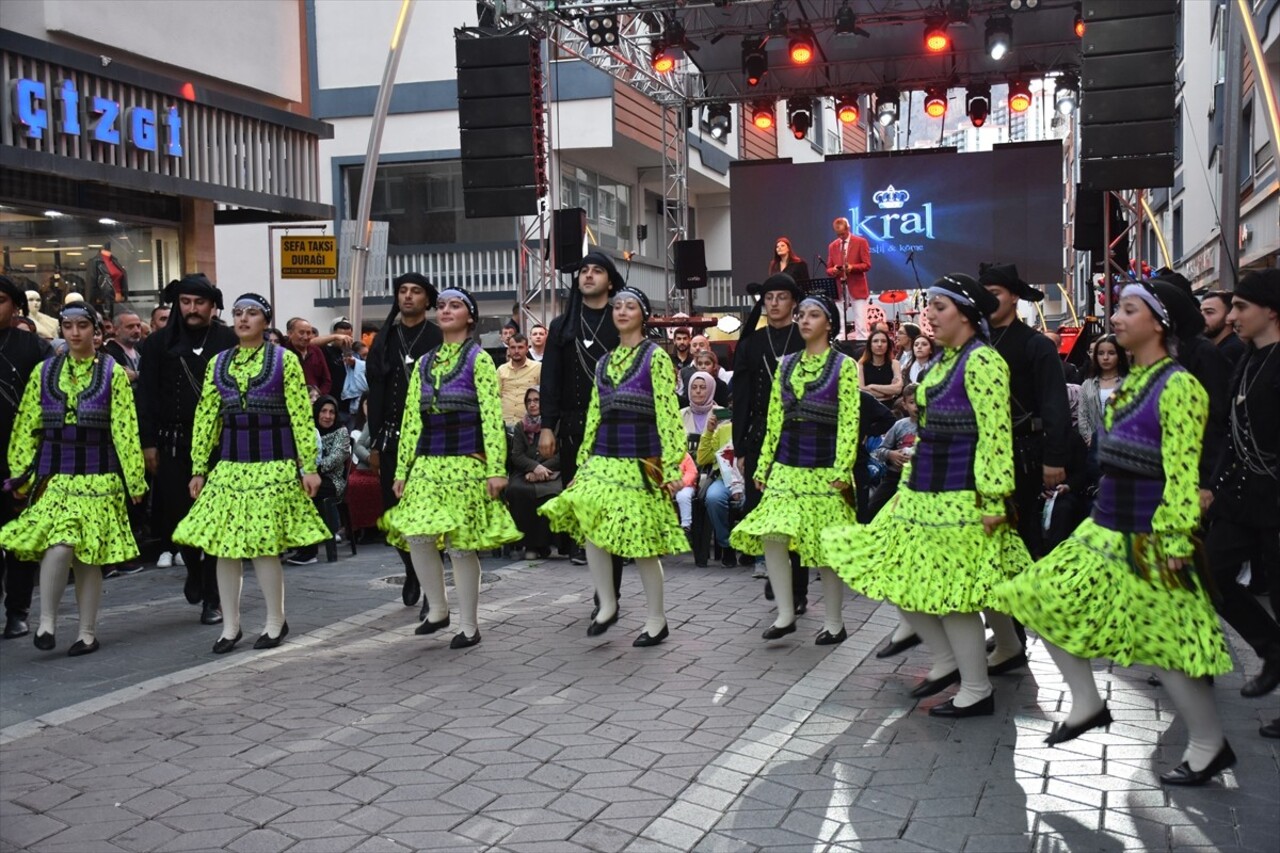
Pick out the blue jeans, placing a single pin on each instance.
(717, 503)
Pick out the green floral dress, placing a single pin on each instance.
(1108, 594)
(612, 502)
(252, 509)
(799, 502)
(89, 512)
(447, 496)
(927, 552)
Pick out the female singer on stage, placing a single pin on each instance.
(786, 261)
(619, 503)
(75, 449)
(451, 469)
(1127, 585)
(806, 462)
(252, 506)
(943, 542)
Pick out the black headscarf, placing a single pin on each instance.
(192, 284)
(573, 310)
(971, 299)
(315, 413)
(1261, 287)
(381, 358)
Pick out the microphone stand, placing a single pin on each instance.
(843, 286)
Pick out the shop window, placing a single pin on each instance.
(606, 201)
(422, 205)
(1177, 234)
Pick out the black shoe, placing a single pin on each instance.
(646, 640)
(80, 647)
(15, 626)
(1062, 732)
(428, 627)
(746, 560)
(1271, 729)
(422, 611)
(595, 629)
(1154, 680)
(45, 642)
(192, 587)
(226, 644)
(579, 557)
(991, 644)
(802, 606)
(462, 641)
(826, 638)
(1018, 661)
(267, 642)
(1184, 775)
(411, 590)
(1260, 685)
(981, 708)
(773, 632)
(925, 687)
(891, 648)
(768, 591)
(210, 615)
(728, 557)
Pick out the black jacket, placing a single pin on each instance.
(1038, 387)
(388, 375)
(20, 353)
(171, 377)
(568, 368)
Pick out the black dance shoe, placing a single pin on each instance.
(226, 644)
(192, 587)
(826, 638)
(646, 640)
(210, 615)
(1271, 729)
(981, 708)
(1184, 775)
(802, 606)
(892, 648)
(1018, 661)
(462, 641)
(773, 632)
(1260, 685)
(595, 629)
(428, 627)
(266, 641)
(44, 642)
(1062, 732)
(926, 687)
(80, 647)
(411, 590)
(15, 626)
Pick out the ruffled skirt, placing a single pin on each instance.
(798, 503)
(448, 497)
(86, 511)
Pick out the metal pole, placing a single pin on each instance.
(364, 228)
(1106, 263)
(1229, 203)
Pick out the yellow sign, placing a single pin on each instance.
(308, 257)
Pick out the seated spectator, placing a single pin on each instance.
(532, 480)
(694, 416)
(335, 449)
(705, 361)
(922, 350)
(684, 497)
(895, 450)
(515, 378)
(878, 373)
(725, 486)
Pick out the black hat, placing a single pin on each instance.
(970, 298)
(1006, 276)
(255, 300)
(1177, 279)
(829, 308)
(421, 281)
(639, 296)
(778, 281)
(465, 296)
(600, 259)
(1184, 311)
(192, 284)
(81, 309)
(10, 289)
(1261, 287)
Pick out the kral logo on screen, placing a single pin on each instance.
(894, 222)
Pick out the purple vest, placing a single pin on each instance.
(809, 423)
(947, 440)
(451, 412)
(628, 422)
(255, 422)
(84, 447)
(1132, 483)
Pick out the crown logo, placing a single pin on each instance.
(890, 198)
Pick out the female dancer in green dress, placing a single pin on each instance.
(620, 501)
(451, 469)
(1126, 585)
(943, 542)
(75, 450)
(810, 443)
(251, 506)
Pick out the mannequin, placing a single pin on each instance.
(46, 326)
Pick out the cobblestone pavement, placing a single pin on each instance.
(357, 735)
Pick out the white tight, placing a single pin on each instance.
(777, 563)
(57, 563)
(600, 565)
(231, 581)
(956, 640)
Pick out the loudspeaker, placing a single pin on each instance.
(1087, 233)
(691, 263)
(569, 233)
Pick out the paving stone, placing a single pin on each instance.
(261, 841)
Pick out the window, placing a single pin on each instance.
(422, 204)
(1244, 170)
(1176, 249)
(606, 201)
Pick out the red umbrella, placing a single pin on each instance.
(889, 297)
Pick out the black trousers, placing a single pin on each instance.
(325, 492)
(387, 460)
(799, 573)
(572, 427)
(170, 502)
(1028, 485)
(17, 577)
(1227, 546)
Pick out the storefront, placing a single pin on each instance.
(113, 178)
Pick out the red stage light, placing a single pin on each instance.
(762, 116)
(663, 62)
(936, 39)
(1079, 22)
(801, 50)
(935, 101)
(847, 110)
(1019, 96)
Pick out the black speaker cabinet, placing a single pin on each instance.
(569, 231)
(691, 264)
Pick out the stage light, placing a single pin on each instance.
(999, 37)
(664, 61)
(936, 39)
(762, 114)
(978, 104)
(719, 120)
(846, 23)
(602, 30)
(935, 101)
(802, 47)
(1066, 96)
(799, 116)
(887, 106)
(1018, 5)
(755, 62)
(958, 11)
(1019, 96)
(1079, 22)
(847, 109)
(778, 20)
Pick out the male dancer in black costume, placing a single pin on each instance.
(170, 378)
(20, 352)
(404, 338)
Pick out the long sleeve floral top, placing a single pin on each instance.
(847, 426)
(665, 405)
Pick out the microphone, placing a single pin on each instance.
(911, 256)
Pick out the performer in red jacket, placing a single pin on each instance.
(848, 260)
